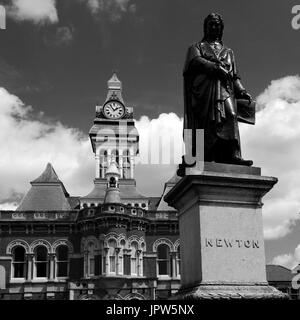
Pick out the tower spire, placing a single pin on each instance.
(114, 86)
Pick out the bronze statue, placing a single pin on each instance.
(214, 97)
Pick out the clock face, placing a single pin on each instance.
(113, 110)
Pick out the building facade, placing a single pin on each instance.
(113, 243)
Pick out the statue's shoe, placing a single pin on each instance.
(242, 162)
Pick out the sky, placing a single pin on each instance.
(56, 58)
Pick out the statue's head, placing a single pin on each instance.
(213, 27)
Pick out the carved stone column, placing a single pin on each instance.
(117, 260)
(97, 173)
(52, 267)
(106, 266)
(173, 261)
(121, 165)
(29, 257)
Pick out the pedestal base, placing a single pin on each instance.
(221, 232)
(225, 291)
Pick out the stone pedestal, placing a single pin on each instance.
(221, 232)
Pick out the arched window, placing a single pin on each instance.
(134, 258)
(103, 163)
(91, 259)
(178, 261)
(112, 256)
(62, 261)
(41, 262)
(126, 164)
(115, 156)
(19, 262)
(163, 260)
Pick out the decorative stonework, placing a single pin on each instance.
(40, 242)
(166, 241)
(16, 243)
(136, 296)
(176, 244)
(140, 241)
(62, 242)
(114, 236)
(85, 242)
(18, 216)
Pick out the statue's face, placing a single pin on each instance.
(214, 28)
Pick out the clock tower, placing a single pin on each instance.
(115, 139)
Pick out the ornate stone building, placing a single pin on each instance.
(113, 243)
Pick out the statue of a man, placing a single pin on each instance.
(214, 97)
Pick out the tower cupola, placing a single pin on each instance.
(112, 175)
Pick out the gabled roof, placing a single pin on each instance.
(278, 273)
(153, 203)
(47, 193)
(162, 205)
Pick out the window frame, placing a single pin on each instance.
(168, 260)
(13, 263)
(57, 262)
(35, 262)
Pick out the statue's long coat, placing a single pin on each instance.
(205, 95)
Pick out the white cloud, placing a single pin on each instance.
(273, 144)
(8, 206)
(160, 139)
(290, 260)
(36, 11)
(61, 37)
(27, 144)
(113, 8)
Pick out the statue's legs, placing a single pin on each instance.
(227, 147)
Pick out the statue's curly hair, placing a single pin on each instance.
(212, 16)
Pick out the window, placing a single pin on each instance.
(19, 262)
(91, 259)
(134, 258)
(112, 256)
(163, 260)
(103, 163)
(115, 156)
(62, 261)
(41, 262)
(126, 165)
(112, 182)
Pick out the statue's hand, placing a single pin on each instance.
(221, 72)
(246, 95)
